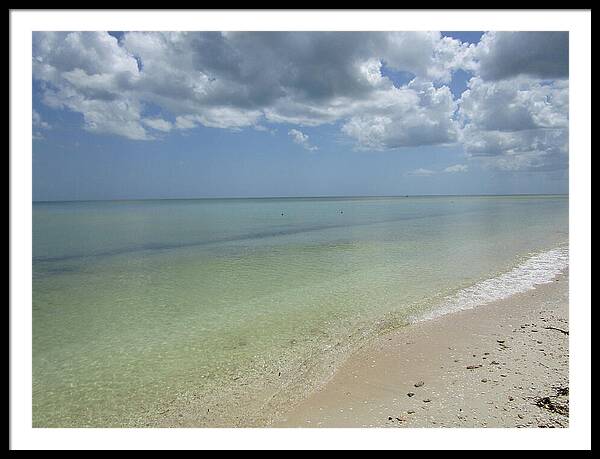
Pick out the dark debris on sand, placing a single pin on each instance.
(557, 403)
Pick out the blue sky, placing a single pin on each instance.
(128, 116)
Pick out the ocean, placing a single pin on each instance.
(222, 312)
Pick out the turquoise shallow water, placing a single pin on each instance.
(212, 312)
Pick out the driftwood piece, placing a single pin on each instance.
(566, 332)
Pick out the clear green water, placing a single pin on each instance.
(217, 312)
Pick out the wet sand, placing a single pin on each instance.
(504, 364)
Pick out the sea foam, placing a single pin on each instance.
(540, 268)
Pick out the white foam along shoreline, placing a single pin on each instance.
(540, 268)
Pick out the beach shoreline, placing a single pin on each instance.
(228, 314)
(502, 364)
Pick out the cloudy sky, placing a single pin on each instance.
(150, 115)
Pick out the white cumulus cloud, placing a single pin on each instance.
(518, 123)
(418, 114)
(513, 115)
(37, 120)
(421, 172)
(159, 124)
(456, 168)
(301, 139)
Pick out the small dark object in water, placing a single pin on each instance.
(282, 213)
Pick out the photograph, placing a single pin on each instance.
(297, 230)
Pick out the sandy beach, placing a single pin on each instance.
(504, 364)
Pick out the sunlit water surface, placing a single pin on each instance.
(222, 312)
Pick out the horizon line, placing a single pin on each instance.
(299, 197)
